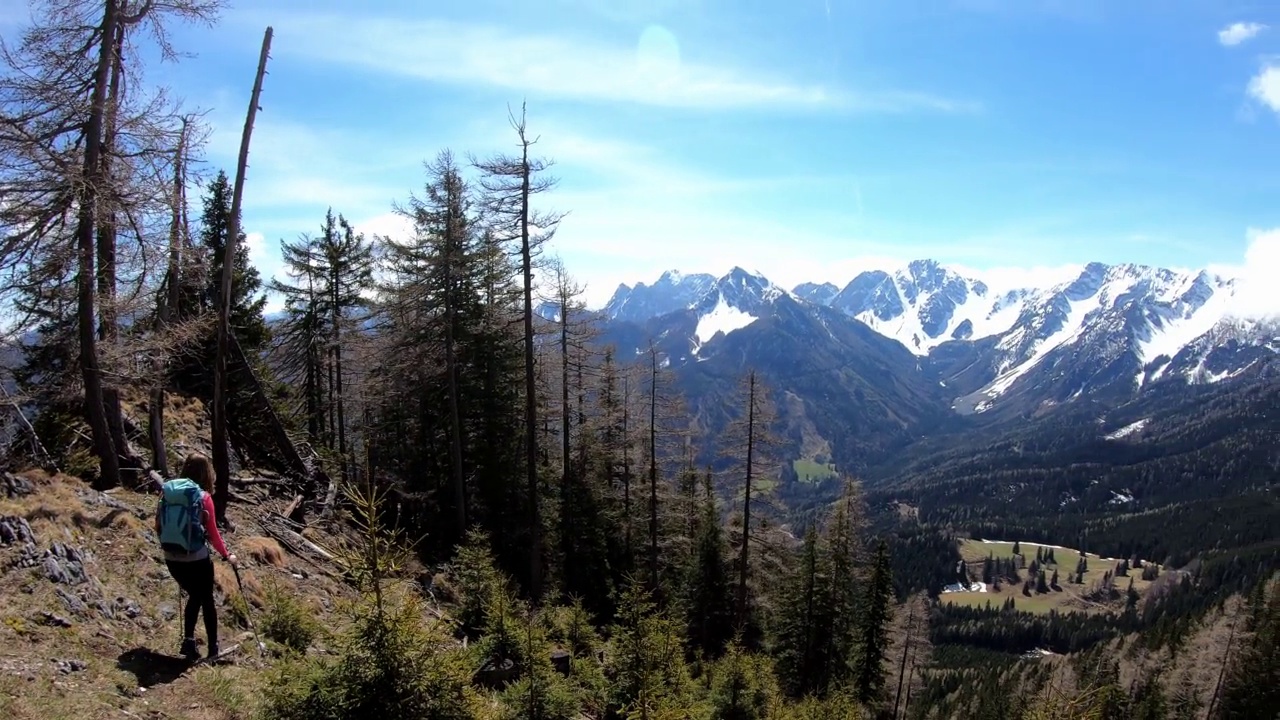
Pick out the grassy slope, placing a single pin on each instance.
(812, 471)
(1070, 597)
(121, 677)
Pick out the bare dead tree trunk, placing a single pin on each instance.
(1222, 670)
(906, 647)
(169, 304)
(95, 412)
(906, 704)
(653, 469)
(108, 326)
(337, 372)
(531, 398)
(744, 555)
(564, 381)
(331, 436)
(626, 464)
(455, 419)
(108, 232)
(221, 458)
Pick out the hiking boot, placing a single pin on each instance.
(213, 651)
(189, 649)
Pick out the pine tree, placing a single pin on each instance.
(706, 595)
(247, 321)
(329, 272)
(646, 667)
(443, 382)
(873, 630)
(842, 604)
(749, 440)
(510, 184)
(800, 643)
(301, 336)
(743, 686)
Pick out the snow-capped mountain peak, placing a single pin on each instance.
(923, 305)
(673, 291)
(1108, 328)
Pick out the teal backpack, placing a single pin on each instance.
(181, 516)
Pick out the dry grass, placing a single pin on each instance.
(224, 580)
(263, 550)
(186, 422)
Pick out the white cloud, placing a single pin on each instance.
(255, 246)
(652, 72)
(268, 266)
(1256, 295)
(1265, 87)
(1237, 33)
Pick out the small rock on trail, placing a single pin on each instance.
(66, 667)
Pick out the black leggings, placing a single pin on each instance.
(196, 578)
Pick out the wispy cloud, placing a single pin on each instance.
(653, 73)
(1265, 87)
(1255, 295)
(1237, 33)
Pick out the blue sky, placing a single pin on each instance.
(804, 138)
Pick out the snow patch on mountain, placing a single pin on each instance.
(724, 318)
(1194, 316)
(1127, 430)
(1070, 330)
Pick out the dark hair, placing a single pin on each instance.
(199, 468)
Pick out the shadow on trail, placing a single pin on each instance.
(152, 668)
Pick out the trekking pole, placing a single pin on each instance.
(178, 613)
(262, 649)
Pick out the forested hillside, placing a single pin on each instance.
(538, 521)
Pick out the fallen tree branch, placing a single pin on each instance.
(297, 538)
(287, 543)
(264, 481)
(41, 454)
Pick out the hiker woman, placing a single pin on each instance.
(184, 522)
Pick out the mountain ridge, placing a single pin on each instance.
(1110, 329)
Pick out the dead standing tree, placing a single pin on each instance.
(509, 184)
(221, 449)
(77, 151)
(167, 309)
(750, 438)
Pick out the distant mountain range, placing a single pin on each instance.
(902, 354)
(1112, 329)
